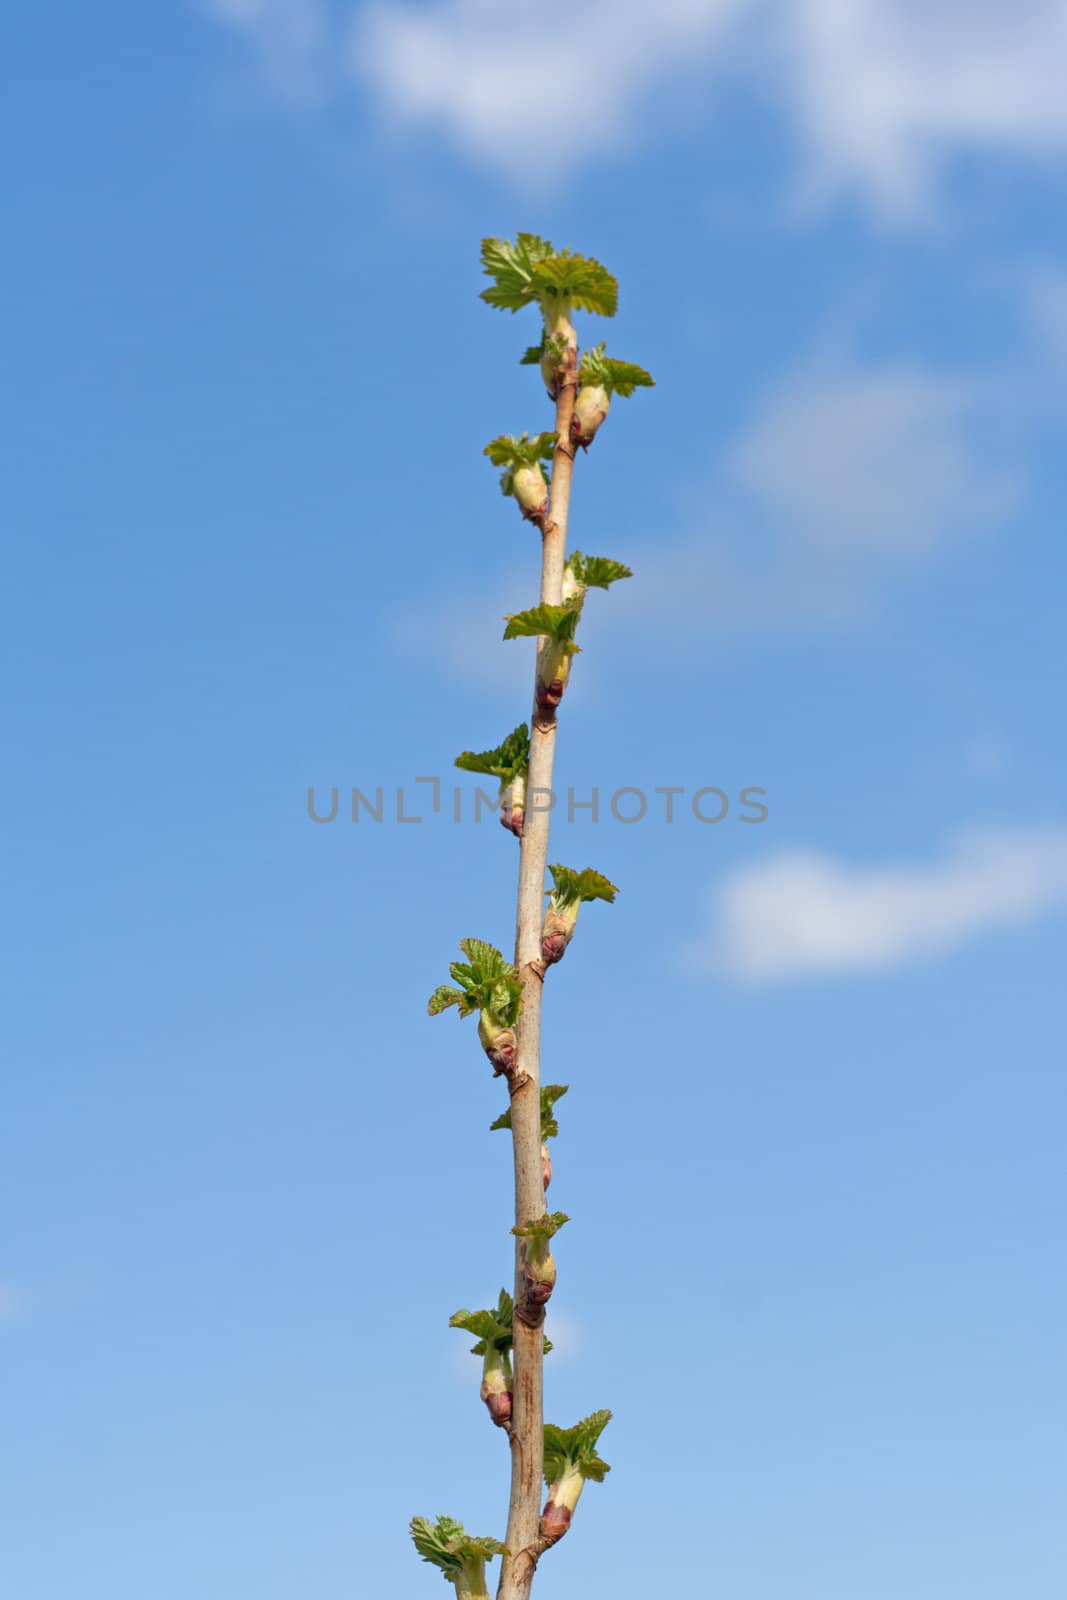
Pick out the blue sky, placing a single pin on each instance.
(812, 1147)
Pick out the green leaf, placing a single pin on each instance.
(584, 281)
(446, 1544)
(546, 622)
(484, 982)
(531, 271)
(550, 1093)
(540, 1232)
(596, 572)
(445, 996)
(535, 353)
(617, 377)
(491, 1327)
(573, 888)
(512, 451)
(507, 762)
(520, 450)
(486, 1327)
(512, 268)
(575, 1449)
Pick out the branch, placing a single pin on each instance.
(527, 1417)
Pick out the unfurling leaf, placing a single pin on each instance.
(486, 983)
(520, 450)
(616, 377)
(575, 1449)
(493, 1329)
(522, 477)
(571, 1460)
(539, 1233)
(508, 761)
(549, 622)
(571, 890)
(447, 1545)
(531, 272)
(445, 996)
(550, 1093)
(594, 572)
(574, 888)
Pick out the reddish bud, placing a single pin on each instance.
(555, 1520)
(549, 695)
(540, 1280)
(499, 1406)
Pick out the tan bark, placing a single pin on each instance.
(527, 1419)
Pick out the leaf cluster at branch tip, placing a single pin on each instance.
(530, 271)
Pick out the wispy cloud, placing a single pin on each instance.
(803, 914)
(490, 78)
(290, 38)
(847, 481)
(881, 459)
(882, 92)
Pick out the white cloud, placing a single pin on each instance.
(882, 91)
(803, 914)
(887, 89)
(290, 39)
(878, 458)
(517, 92)
(846, 479)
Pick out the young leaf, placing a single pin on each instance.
(555, 348)
(491, 1327)
(519, 450)
(548, 622)
(531, 271)
(522, 476)
(447, 1545)
(540, 1232)
(486, 1329)
(574, 888)
(506, 762)
(550, 1093)
(616, 377)
(484, 982)
(596, 572)
(512, 268)
(584, 281)
(445, 996)
(575, 1449)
